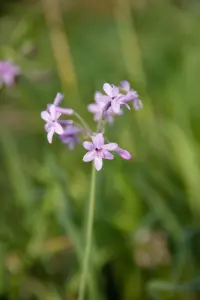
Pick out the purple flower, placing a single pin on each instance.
(70, 136)
(97, 108)
(123, 153)
(131, 95)
(52, 125)
(97, 150)
(8, 72)
(113, 99)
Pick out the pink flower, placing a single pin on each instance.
(98, 151)
(8, 73)
(97, 108)
(52, 126)
(113, 99)
(70, 136)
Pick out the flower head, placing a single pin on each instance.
(52, 125)
(98, 151)
(114, 98)
(8, 73)
(97, 108)
(131, 95)
(70, 136)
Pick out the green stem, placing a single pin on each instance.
(85, 125)
(84, 275)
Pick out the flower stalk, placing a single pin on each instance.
(88, 240)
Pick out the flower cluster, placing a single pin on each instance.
(8, 73)
(107, 105)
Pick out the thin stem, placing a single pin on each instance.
(84, 275)
(85, 125)
(99, 125)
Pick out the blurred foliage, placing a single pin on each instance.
(146, 231)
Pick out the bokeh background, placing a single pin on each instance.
(147, 212)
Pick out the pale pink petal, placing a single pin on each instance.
(115, 106)
(88, 145)
(52, 110)
(123, 153)
(93, 108)
(89, 156)
(50, 136)
(65, 111)
(125, 85)
(98, 140)
(45, 116)
(137, 104)
(110, 146)
(97, 97)
(58, 99)
(97, 116)
(115, 91)
(58, 128)
(103, 99)
(98, 163)
(48, 127)
(9, 79)
(108, 155)
(108, 89)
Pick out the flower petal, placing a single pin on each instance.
(93, 108)
(59, 97)
(110, 146)
(48, 127)
(65, 111)
(98, 140)
(98, 163)
(108, 89)
(88, 145)
(123, 153)
(97, 96)
(45, 115)
(108, 155)
(89, 156)
(52, 110)
(58, 128)
(125, 85)
(115, 91)
(137, 104)
(65, 122)
(9, 79)
(97, 116)
(50, 136)
(103, 99)
(115, 106)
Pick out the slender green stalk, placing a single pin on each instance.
(84, 275)
(85, 125)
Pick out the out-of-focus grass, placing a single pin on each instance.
(44, 188)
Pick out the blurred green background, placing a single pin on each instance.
(147, 213)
